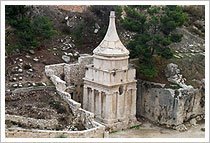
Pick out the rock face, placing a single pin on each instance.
(172, 72)
(171, 107)
(166, 106)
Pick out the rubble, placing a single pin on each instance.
(66, 18)
(20, 70)
(193, 122)
(15, 85)
(14, 79)
(172, 72)
(20, 85)
(31, 52)
(70, 54)
(27, 56)
(66, 58)
(181, 128)
(36, 59)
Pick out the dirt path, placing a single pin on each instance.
(148, 130)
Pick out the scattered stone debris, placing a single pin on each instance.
(20, 70)
(96, 31)
(14, 79)
(20, 85)
(36, 59)
(31, 52)
(176, 56)
(30, 70)
(181, 128)
(66, 58)
(27, 56)
(193, 122)
(70, 54)
(66, 18)
(15, 85)
(65, 48)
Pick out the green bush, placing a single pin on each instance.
(77, 33)
(42, 27)
(9, 49)
(28, 31)
(176, 37)
(61, 136)
(148, 70)
(154, 27)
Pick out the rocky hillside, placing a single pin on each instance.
(81, 28)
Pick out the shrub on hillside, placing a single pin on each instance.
(28, 31)
(155, 28)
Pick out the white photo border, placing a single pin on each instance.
(3, 3)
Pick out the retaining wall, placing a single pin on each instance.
(71, 74)
(97, 132)
(93, 129)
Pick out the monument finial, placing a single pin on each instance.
(112, 14)
(111, 44)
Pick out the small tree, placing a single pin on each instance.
(42, 27)
(28, 31)
(154, 27)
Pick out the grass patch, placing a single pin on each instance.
(61, 136)
(114, 132)
(135, 127)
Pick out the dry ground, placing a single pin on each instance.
(148, 130)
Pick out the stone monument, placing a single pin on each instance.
(109, 83)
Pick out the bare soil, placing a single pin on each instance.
(41, 104)
(73, 8)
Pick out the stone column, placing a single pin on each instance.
(120, 106)
(108, 108)
(85, 98)
(99, 103)
(91, 103)
(114, 106)
(133, 103)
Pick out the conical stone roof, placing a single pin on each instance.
(111, 44)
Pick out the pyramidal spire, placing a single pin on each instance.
(111, 44)
(111, 34)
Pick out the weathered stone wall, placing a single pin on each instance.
(59, 84)
(168, 106)
(56, 69)
(98, 132)
(31, 122)
(73, 75)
